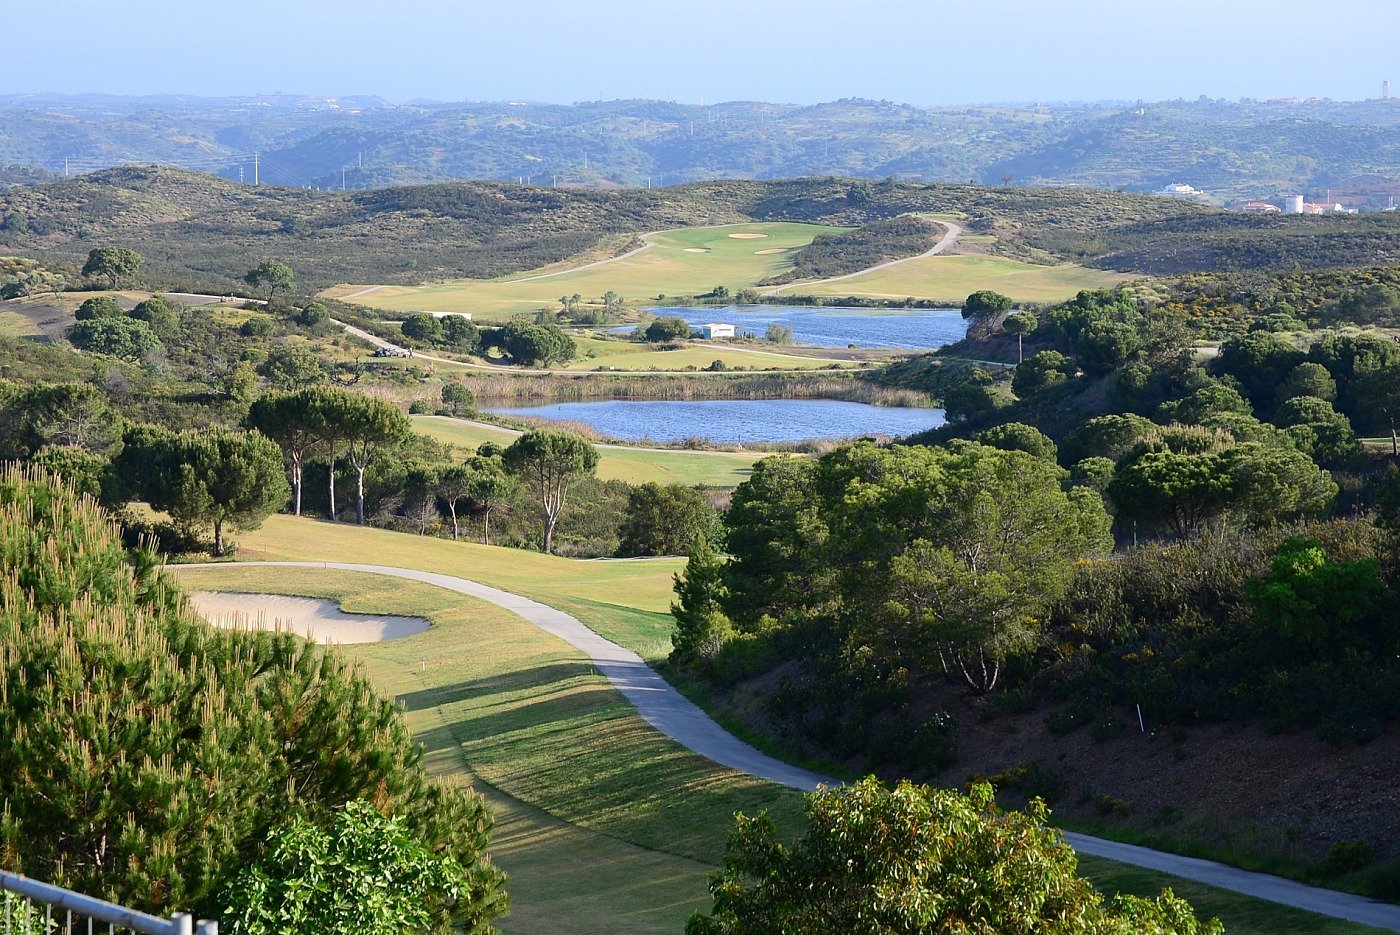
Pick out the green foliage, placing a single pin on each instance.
(162, 315)
(258, 326)
(1042, 372)
(115, 263)
(531, 345)
(292, 367)
(99, 306)
(1308, 379)
(1315, 603)
(1249, 483)
(215, 478)
(549, 462)
(1017, 436)
(145, 756)
(920, 861)
(458, 398)
(701, 628)
(984, 304)
(778, 333)
(423, 327)
(663, 330)
(366, 873)
(291, 421)
(665, 520)
(273, 276)
(123, 337)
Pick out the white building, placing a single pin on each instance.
(1180, 190)
(717, 330)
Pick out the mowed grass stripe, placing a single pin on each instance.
(635, 466)
(594, 804)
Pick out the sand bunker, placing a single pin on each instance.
(748, 236)
(770, 251)
(311, 617)
(697, 249)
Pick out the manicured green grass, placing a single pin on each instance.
(605, 825)
(681, 262)
(602, 824)
(626, 600)
(601, 354)
(953, 278)
(634, 465)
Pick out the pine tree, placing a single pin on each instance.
(145, 756)
(701, 625)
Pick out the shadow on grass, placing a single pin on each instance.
(520, 680)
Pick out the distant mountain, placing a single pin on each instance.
(1233, 151)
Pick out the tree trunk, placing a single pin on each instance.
(331, 508)
(1020, 354)
(296, 485)
(452, 508)
(360, 495)
(486, 529)
(549, 521)
(1394, 448)
(218, 538)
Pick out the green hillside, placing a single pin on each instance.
(201, 231)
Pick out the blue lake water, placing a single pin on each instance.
(735, 421)
(908, 329)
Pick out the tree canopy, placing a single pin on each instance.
(550, 462)
(114, 263)
(920, 861)
(273, 276)
(145, 756)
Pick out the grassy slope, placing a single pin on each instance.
(604, 826)
(953, 278)
(636, 466)
(667, 268)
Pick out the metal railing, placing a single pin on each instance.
(50, 910)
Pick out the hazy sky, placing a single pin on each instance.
(798, 51)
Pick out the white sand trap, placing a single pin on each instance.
(697, 249)
(770, 251)
(312, 617)
(748, 236)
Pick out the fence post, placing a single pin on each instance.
(182, 923)
(206, 927)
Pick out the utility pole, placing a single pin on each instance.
(255, 168)
(342, 178)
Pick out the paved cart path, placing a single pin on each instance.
(680, 719)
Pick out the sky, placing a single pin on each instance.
(922, 52)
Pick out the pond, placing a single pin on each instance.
(906, 329)
(735, 421)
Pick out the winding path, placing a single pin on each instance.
(950, 237)
(677, 717)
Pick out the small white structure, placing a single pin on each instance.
(717, 330)
(466, 315)
(1180, 190)
(1260, 207)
